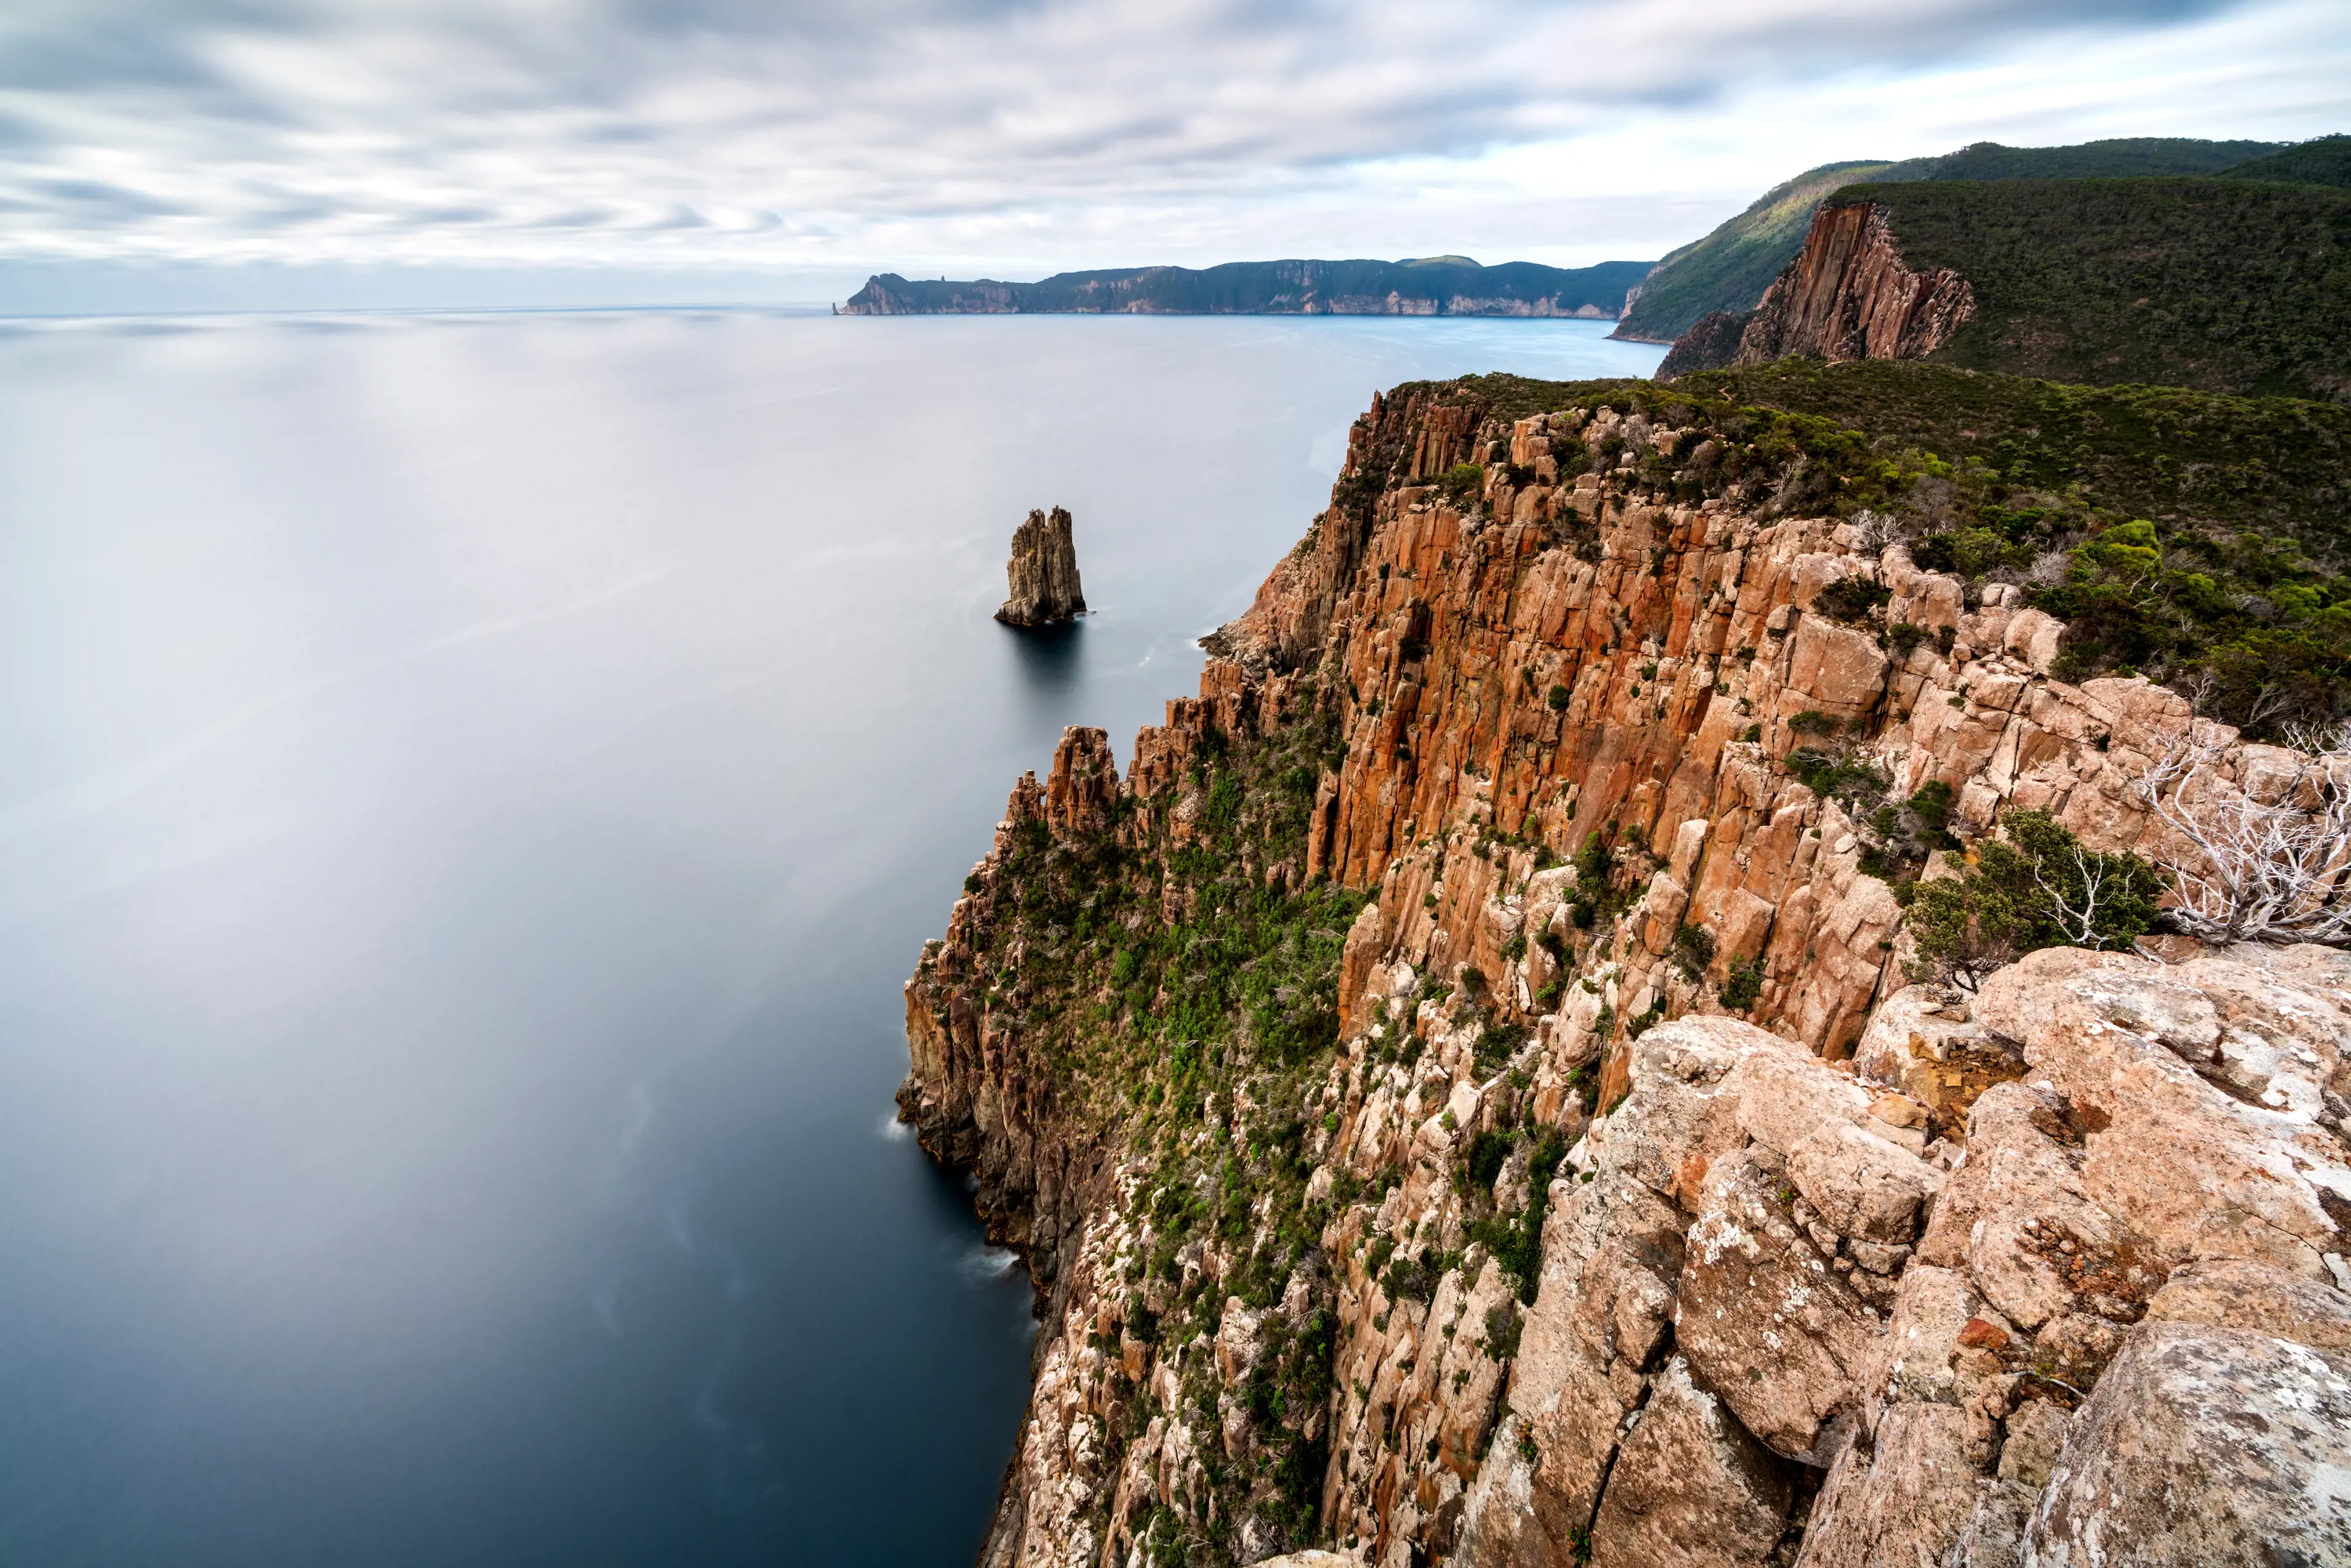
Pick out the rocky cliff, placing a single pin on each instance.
(1461, 1098)
(1847, 296)
(1427, 285)
(1042, 573)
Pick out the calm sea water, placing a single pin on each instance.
(470, 789)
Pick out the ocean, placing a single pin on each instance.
(471, 787)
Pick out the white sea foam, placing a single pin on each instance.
(984, 1263)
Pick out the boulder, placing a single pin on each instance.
(1861, 1185)
(2204, 1448)
(1904, 1502)
(1691, 1489)
(1766, 1321)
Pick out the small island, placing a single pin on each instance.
(1042, 573)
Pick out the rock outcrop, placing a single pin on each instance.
(1043, 572)
(1528, 1251)
(1849, 295)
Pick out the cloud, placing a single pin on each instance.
(910, 133)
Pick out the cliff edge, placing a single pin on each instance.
(1462, 1098)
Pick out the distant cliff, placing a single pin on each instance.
(2233, 286)
(1729, 270)
(1433, 286)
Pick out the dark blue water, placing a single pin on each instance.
(470, 789)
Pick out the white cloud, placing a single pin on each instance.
(932, 135)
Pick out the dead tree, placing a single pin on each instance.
(2246, 869)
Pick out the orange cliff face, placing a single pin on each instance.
(1633, 626)
(1849, 295)
(1646, 677)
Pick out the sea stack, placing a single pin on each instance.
(1042, 573)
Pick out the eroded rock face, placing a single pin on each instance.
(1043, 573)
(1849, 295)
(1786, 1308)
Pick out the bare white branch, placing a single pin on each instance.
(2253, 868)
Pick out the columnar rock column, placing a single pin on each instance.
(1042, 573)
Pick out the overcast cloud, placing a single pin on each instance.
(1021, 135)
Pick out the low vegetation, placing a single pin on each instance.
(2234, 285)
(1727, 270)
(2200, 539)
(2034, 886)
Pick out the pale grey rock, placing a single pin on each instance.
(1861, 1185)
(1690, 1488)
(2204, 1448)
(2235, 1293)
(1903, 1501)
(1767, 1322)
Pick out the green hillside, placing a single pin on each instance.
(1436, 285)
(2238, 286)
(2191, 537)
(1738, 260)
(1730, 269)
(2324, 161)
(2129, 157)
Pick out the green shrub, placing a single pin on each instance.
(1743, 986)
(1838, 776)
(1504, 1323)
(1812, 721)
(1484, 1156)
(1558, 697)
(1852, 599)
(1594, 863)
(2036, 888)
(1693, 950)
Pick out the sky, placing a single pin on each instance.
(234, 151)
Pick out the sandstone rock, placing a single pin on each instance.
(1904, 1502)
(1510, 673)
(1784, 1096)
(1850, 295)
(1993, 1536)
(2233, 1294)
(1690, 1489)
(2033, 636)
(2035, 1435)
(1931, 1308)
(1861, 1185)
(1767, 1323)
(2203, 1446)
(1042, 573)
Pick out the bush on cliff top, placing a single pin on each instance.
(2234, 285)
(2034, 887)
